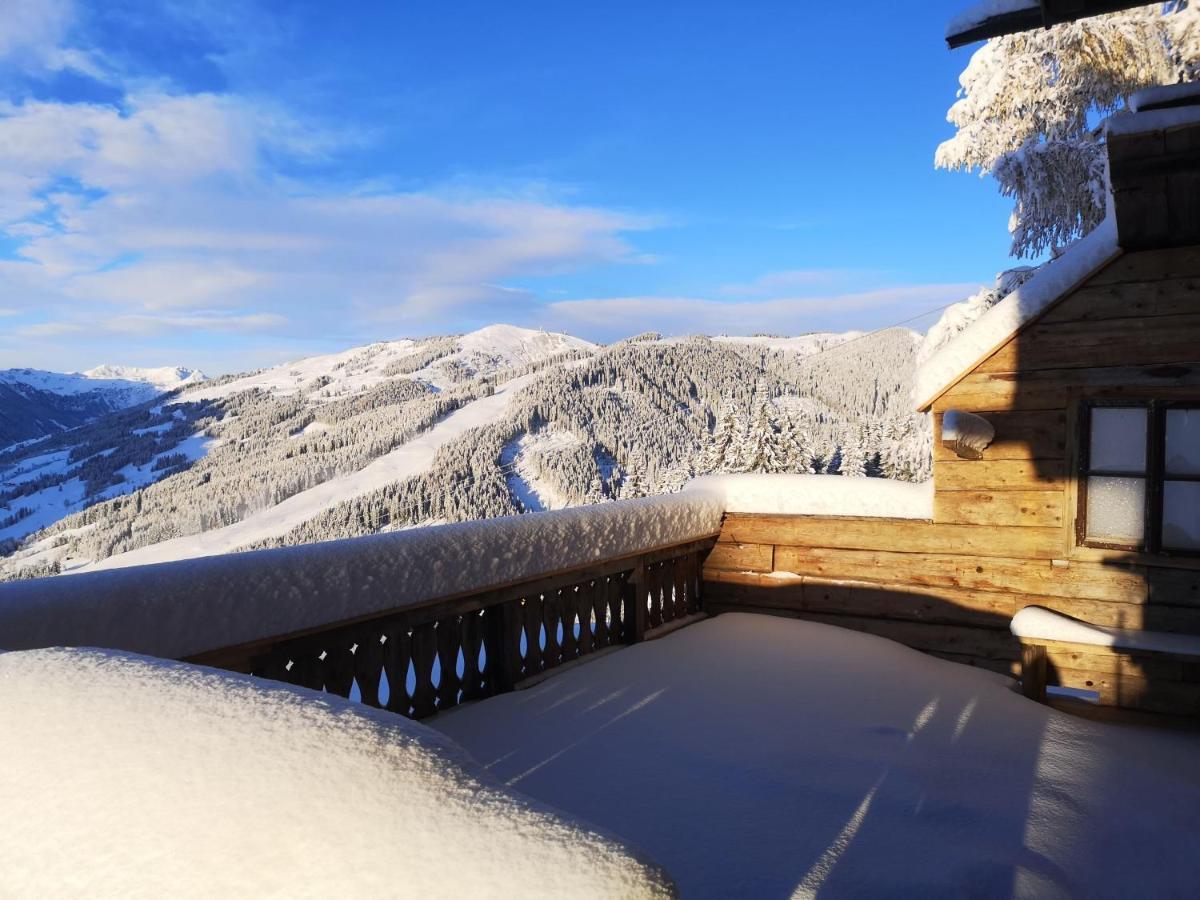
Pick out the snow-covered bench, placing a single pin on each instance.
(1039, 629)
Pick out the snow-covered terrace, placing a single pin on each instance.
(746, 755)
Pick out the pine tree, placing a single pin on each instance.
(1028, 104)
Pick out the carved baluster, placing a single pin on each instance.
(680, 586)
(568, 607)
(397, 654)
(473, 682)
(503, 626)
(368, 664)
(424, 650)
(582, 607)
(337, 666)
(532, 622)
(551, 616)
(449, 642)
(601, 600)
(653, 585)
(306, 666)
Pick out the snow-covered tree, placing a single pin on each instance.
(1029, 106)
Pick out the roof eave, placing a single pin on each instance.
(1049, 12)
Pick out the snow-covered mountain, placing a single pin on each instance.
(34, 403)
(401, 433)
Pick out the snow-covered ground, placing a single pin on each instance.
(123, 385)
(405, 461)
(801, 345)
(69, 496)
(756, 756)
(485, 351)
(126, 776)
(534, 493)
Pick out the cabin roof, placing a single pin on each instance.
(991, 331)
(994, 18)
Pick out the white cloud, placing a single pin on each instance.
(611, 317)
(180, 211)
(775, 284)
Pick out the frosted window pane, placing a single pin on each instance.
(1183, 442)
(1181, 515)
(1116, 508)
(1118, 439)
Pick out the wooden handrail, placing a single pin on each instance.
(420, 659)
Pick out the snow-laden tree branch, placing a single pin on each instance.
(1029, 104)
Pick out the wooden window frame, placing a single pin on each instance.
(1154, 474)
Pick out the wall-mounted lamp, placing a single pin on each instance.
(967, 434)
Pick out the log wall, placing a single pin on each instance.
(1003, 530)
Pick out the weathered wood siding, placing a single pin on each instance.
(1003, 532)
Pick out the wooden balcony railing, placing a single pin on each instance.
(420, 659)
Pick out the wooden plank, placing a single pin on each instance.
(1150, 265)
(1175, 698)
(982, 642)
(1168, 297)
(999, 475)
(1006, 508)
(900, 600)
(1096, 660)
(1039, 434)
(894, 535)
(740, 557)
(1035, 577)
(1073, 345)
(1054, 388)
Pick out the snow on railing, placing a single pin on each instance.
(192, 607)
(817, 495)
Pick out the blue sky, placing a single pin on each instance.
(228, 185)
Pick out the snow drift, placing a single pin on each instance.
(126, 776)
(179, 609)
(817, 495)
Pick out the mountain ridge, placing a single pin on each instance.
(400, 433)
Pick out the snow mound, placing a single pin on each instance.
(1164, 96)
(991, 330)
(178, 609)
(129, 776)
(818, 495)
(1039, 623)
(974, 16)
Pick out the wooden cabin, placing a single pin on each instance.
(1087, 499)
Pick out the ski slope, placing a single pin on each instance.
(405, 461)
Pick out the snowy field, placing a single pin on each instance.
(765, 757)
(126, 776)
(407, 460)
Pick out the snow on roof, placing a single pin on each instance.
(127, 776)
(994, 328)
(1159, 119)
(818, 495)
(1039, 623)
(759, 756)
(974, 16)
(1163, 95)
(179, 609)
